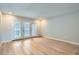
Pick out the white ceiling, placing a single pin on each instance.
(39, 9)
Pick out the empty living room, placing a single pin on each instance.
(39, 28)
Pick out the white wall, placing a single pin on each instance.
(7, 27)
(64, 27)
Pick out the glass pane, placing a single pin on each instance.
(34, 29)
(17, 30)
(26, 29)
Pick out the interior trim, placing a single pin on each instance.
(46, 36)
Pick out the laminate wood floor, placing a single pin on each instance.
(38, 46)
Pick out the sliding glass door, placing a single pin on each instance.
(34, 30)
(25, 29)
(17, 30)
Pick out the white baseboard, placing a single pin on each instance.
(18, 39)
(5, 41)
(60, 40)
